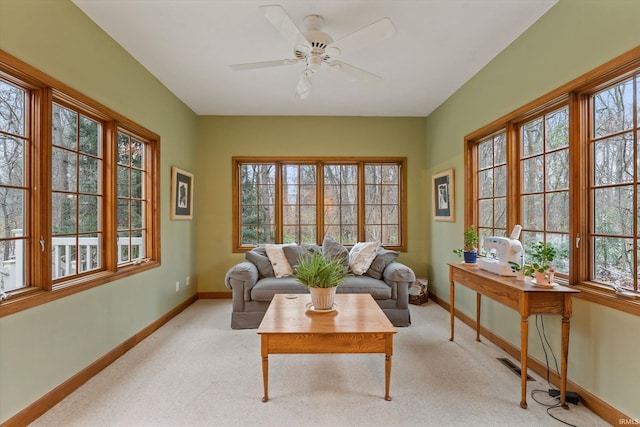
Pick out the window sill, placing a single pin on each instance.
(607, 297)
(28, 298)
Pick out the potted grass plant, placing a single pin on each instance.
(322, 275)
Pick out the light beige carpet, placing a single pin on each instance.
(196, 371)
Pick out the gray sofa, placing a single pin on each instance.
(253, 288)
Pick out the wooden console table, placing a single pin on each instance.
(526, 299)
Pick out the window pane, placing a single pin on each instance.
(89, 136)
(137, 184)
(500, 149)
(123, 181)
(613, 261)
(124, 206)
(485, 154)
(308, 174)
(63, 213)
(485, 183)
(63, 252)
(500, 181)
(12, 214)
(532, 175)
(613, 109)
(533, 212)
(90, 178)
(557, 170)
(89, 214)
(391, 234)
(13, 263)
(11, 161)
(485, 213)
(532, 138)
(137, 243)
(124, 149)
(557, 129)
(500, 213)
(308, 194)
(64, 128)
(613, 211)
(373, 214)
(13, 109)
(372, 194)
(63, 170)
(89, 251)
(124, 247)
(137, 214)
(557, 206)
(613, 160)
(561, 243)
(373, 233)
(390, 215)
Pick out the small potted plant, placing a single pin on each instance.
(470, 250)
(542, 255)
(321, 275)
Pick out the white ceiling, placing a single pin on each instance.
(189, 44)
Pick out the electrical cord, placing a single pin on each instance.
(544, 340)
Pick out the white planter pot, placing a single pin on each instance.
(322, 298)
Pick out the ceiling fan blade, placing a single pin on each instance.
(279, 18)
(355, 74)
(369, 35)
(303, 89)
(265, 64)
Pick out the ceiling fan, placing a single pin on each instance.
(315, 47)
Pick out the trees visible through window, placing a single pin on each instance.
(303, 200)
(14, 192)
(614, 139)
(573, 159)
(78, 204)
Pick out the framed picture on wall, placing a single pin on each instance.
(442, 188)
(181, 194)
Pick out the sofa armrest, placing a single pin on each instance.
(240, 279)
(399, 277)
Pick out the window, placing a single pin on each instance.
(613, 140)
(492, 187)
(544, 195)
(14, 191)
(301, 200)
(98, 219)
(574, 179)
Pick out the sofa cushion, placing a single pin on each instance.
(365, 285)
(281, 266)
(258, 256)
(361, 256)
(383, 258)
(265, 289)
(335, 250)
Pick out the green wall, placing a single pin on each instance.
(44, 346)
(574, 37)
(222, 137)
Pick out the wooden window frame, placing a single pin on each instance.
(43, 90)
(237, 247)
(575, 94)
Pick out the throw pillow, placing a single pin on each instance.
(335, 250)
(258, 256)
(281, 266)
(383, 258)
(361, 256)
(293, 253)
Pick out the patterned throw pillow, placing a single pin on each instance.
(361, 256)
(281, 266)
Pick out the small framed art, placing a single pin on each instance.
(443, 196)
(181, 194)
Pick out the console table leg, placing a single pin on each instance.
(478, 305)
(524, 351)
(452, 302)
(563, 362)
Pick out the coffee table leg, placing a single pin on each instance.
(387, 375)
(265, 367)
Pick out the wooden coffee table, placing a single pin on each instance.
(358, 325)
